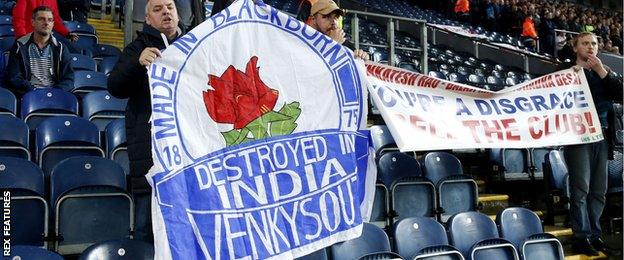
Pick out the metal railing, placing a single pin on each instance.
(355, 33)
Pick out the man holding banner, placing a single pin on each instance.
(587, 163)
(129, 80)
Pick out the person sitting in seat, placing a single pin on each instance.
(38, 60)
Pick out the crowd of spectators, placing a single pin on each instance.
(515, 17)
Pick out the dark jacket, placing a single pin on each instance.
(18, 69)
(128, 79)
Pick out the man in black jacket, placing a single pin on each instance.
(38, 60)
(129, 80)
(587, 163)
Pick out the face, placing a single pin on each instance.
(325, 23)
(586, 46)
(162, 15)
(43, 23)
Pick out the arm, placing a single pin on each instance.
(15, 76)
(19, 22)
(66, 77)
(614, 87)
(128, 73)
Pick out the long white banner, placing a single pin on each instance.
(426, 113)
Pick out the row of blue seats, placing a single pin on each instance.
(517, 234)
(98, 107)
(119, 249)
(61, 137)
(88, 202)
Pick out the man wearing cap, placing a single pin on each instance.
(324, 16)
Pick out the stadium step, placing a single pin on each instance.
(493, 203)
(107, 32)
(569, 256)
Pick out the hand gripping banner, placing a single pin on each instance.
(426, 113)
(257, 137)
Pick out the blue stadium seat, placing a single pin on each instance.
(7, 30)
(437, 74)
(510, 81)
(8, 102)
(88, 81)
(6, 20)
(615, 170)
(408, 66)
(95, 188)
(474, 79)
(32, 252)
(381, 206)
(101, 108)
(417, 237)
(87, 37)
(476, 237)
(39, 104)
(121, 249)
(382, 140)
(537, 160)
(14, 137)
(28, 207)
(411, 194)
(455, 191)
(372, 240)
(82, 62)
(511, 164)
(116, 146)
(102, 51)
(523, 228)
(107, 64)
(381, 256)
(316, 255)
(557, 180)
(62, 137)
(6, 43)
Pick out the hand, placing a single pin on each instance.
(337, 35)
(595, 64)
(73, 37)
(148, 55)
(359, 53)
(577, 68)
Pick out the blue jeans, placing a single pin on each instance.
(587, 166)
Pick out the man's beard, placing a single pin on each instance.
(44, 33)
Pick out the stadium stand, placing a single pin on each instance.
(422, 238)
(8, 102)
(33, 252)
(14, 138)
(476, 237)
(101, 108)
(123, 249)
(372, 240)
(39, 104)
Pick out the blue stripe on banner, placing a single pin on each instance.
(266, 197)
(349, 91)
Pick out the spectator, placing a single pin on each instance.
(529, 34)
(608, 47)
(74, 10)
(462, 10)
(24, 8)
(547, 34)
(587, 163)
(129, 80)
(38, 60)
(324, 15)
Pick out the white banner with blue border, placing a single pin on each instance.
(258, 142)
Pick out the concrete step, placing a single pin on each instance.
(569, 256)
(493, 203)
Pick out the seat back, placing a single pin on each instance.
(116, 146)
(101, 108)
(537, 160)
(121, 249)
(88, 81)
(412, 197)
(615, 169)
(556, 171)
(413, 234)
(104, 50)
(82, 62)
(467, 228)
(517, 224)
(8, 102)
(393, 166)
(381, 256)
(515, 164)
(95, 187)
(62, 137)
(33, 252)
(13, 137)
(316, 255)
(382, 139)
(39, 104)
(25, 181)
(381, 206)
(107, 64)
(373, 239)
(438, 165)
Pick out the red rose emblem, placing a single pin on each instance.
(239, 97)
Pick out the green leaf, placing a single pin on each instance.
(287, 126)
(235, 136)
(273, 116)
(258, 128)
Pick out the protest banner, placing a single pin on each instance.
(459, 30)
(426, 113)
(257, 140)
